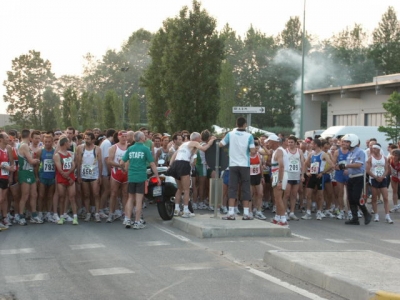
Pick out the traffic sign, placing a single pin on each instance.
(248, 110)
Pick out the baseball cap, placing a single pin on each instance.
(273, 138)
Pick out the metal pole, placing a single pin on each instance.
(248, 122)
(217, 167)
(302, 74)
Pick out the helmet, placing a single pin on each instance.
(352, 138)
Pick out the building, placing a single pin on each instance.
(351, 105)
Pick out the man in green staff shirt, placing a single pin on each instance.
(135, 161)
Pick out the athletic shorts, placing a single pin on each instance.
(203, 171)
(239, 175)
(314, 182)
(395, 179)
(293, 182)
(225, 177)
(179, 168)
(3, 184)
(88, 180)
(339, 177)
(119, 175)
(255, 179)
(136, 187)
(378, 185)
(193, 172)
(47, 181)
(267, 178)
(284, 181)
(26, 177)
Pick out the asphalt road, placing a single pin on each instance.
(107, 261)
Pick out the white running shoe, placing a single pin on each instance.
(102, 215)
(110, 218)
(211, 208)
(188, 214)
(36, 220)
(97, 218)
(376, 219)
(306, 217)
(340, 216)
(259, 215)
(224, 210)
(274, 209)
(87, 218)
(3, 226)
(388, 220)
(328, 214)
(194, 205)
(319, 216)
(359, 214)
(177, 213)
(55, 218)
(237, 211)
(349, 216)
(395, 208)
(67, 218)
(293, 217)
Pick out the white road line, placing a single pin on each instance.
(191, 267)
(26, 278)
(86, 246)
(17, 251)
(110, 271)
(271, 245)
(336, 241)
(300, 236)
(170, 232)
(154, 243)
(392, 241)
(285, 285)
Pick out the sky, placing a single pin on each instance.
(64, 31)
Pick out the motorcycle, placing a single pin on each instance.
(164, 194)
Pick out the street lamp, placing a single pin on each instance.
(302, 73)
(123, 69)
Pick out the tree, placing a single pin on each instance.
(70, 101)
(227, 96)
(190, 65)
(385, 49)
(392, 117)
(109, 116)
(51, 110)
(292, 36)
(25, 85)
(133, 111)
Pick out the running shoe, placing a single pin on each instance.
(395, 208)
(128, 224)
(293, 217)
(110, 218)
(75, 221)
(67, 218)
(224, 210)
(138, 225)
(319, 216)
(97, 218)
(283, 223)
(247, 217)
(229, 217)
(340, 216)
(328, 214)
(211, 208)
(55, 218)
(88, 216)
(376, 219)
(237, 211)
(36, 220)
(194, 205)
(61, 221)
(7, 222)
(259, 215)
(388, 220)
(188, 214)
(177, 213)
(3, 226)
(274, 209)
(102, 215)
(22, 222)
(306, 217)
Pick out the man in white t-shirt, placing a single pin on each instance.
(105, 182)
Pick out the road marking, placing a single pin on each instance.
(26, 278)
(86, 246)
(170, 232)
(154, 243)
(191, 267)
(392, 241)
(110, 271)
(300, 236)
(17, 251)
(285, 285)
(336, 241)
(271, 245)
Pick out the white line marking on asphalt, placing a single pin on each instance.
(110, 271)
(336, 241)
(191, 267)
(170, 232)
(285, 285)
(17, 251)
(271, 245)
(300, 236)
(392, 241)
(154, 243)
(26, 278)
(86, 246)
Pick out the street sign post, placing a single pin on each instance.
(248, 110)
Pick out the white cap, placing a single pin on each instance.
(273, 138)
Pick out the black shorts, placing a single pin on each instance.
(314, 182)
(3, 184)
(179, 168)
(255, 179)
(193, 172)
(267, 178)
(88, 180)
(293, 182)
(136, 187)
(378, 185)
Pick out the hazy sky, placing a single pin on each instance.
(64, 31)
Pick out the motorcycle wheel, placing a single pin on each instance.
(166, 208)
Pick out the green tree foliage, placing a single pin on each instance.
(70, 101)
(109, 115)
(51, 109)
(133, 112)
(292, 36)
(392, 117)
(191, 62)
(227, 96)
(26, 82)
(385, 49)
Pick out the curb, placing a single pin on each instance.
(383, 295)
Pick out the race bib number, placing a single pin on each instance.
(87, 170)
(255, 169)
(4, 172)
(294, 166)
(314, 168)
(48, 165)
(67, 163)
(275, 175)
(379, 171)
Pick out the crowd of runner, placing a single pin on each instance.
(65, 176)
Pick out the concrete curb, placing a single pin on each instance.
(345, 286)
(204, 226)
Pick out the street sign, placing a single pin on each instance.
(248, 110)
